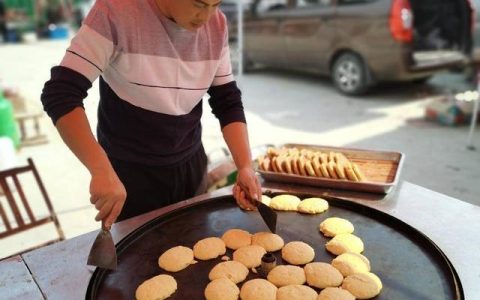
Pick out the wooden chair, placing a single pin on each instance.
(10, 185)
(26, 139)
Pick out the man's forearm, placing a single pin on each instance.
(77, 135)
(236, 137)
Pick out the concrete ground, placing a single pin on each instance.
(281, 107)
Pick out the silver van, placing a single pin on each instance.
(359, 42)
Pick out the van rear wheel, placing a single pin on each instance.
(350, 75)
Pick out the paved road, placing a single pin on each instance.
(281, 107)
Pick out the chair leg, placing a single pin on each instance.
(23, 199)
(36, 126)
(23, 131)
(47, 199)
(59, 229)
(11, 201)
(5, 218)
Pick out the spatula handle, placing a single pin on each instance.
(105, 228)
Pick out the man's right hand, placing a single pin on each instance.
(108, 195)
(107, 192)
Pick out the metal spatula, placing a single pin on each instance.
(103, 253)
(268, 215)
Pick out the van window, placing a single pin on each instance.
(349, 2)
(313, 3)
(476, 6)
(271, 5)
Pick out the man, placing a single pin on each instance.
(155, 59)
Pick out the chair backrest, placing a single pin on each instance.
(21, 217)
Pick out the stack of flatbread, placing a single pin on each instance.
(306, 162)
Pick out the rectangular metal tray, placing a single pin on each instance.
(382, 169)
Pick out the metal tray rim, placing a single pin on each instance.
(370, 186)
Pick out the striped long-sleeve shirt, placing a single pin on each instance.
(153, 75)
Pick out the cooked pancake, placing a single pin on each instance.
(249, 256)
(363, 285)
(209, 248)
(350, 263)
(156, 288)
(296, 292)
(258, 289)
(298, 253)
(236, 238)
(333, 293)
(322, 275)
(271, 242)
(232, 270)
(176, 259)
(313, 206)
(284, 275)
(285, 202)
(345, 242)
(332, 226)
(222, 289)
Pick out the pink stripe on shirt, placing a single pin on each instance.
(147, 59)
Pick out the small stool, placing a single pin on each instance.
(38, 138)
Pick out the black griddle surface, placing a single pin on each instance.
(409, 264)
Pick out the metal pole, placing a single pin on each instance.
(473, 123)
(240, 40)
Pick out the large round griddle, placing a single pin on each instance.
(409, 264)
